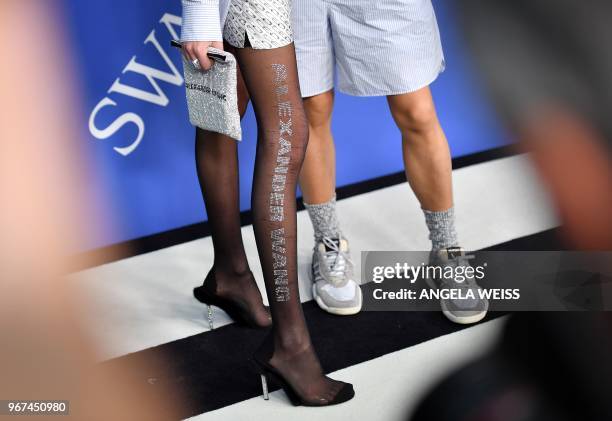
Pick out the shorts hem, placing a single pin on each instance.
(317, 91)
(399, 91)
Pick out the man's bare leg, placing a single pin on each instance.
(334, 289)
(425, 149)
(428, 168)
(318, 176)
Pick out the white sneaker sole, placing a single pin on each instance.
(462, 320)
(340, 311)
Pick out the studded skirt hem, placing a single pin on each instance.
(266, 23)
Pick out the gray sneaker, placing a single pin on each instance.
(334, 288)
(464, 310)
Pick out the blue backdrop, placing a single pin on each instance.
(140, 144)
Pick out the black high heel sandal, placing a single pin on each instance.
(206, 294)
(267, 373)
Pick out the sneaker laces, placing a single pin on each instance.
(338, 262)
(461, 260)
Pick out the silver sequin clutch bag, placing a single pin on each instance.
(212, 97)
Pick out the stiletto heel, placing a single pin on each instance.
(206, 294)
(210, 317)
(264, 387)
(262, 357)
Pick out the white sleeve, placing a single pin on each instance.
(201, 21)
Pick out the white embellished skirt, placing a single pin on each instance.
(260, 24)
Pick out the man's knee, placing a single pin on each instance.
(418, 116)
(319, 110)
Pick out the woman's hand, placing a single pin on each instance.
(197, 50)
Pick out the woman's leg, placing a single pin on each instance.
(217, 167)
(271, 79)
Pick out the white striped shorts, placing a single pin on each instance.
(378, 47)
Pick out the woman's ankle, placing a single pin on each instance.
(233, 270)
(292, 343)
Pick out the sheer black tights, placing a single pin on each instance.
(272, 82)
(217, 167)
(270, 77)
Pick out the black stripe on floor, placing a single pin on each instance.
(213, 369)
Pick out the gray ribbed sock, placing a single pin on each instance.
(324, 219)
(441, 228)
